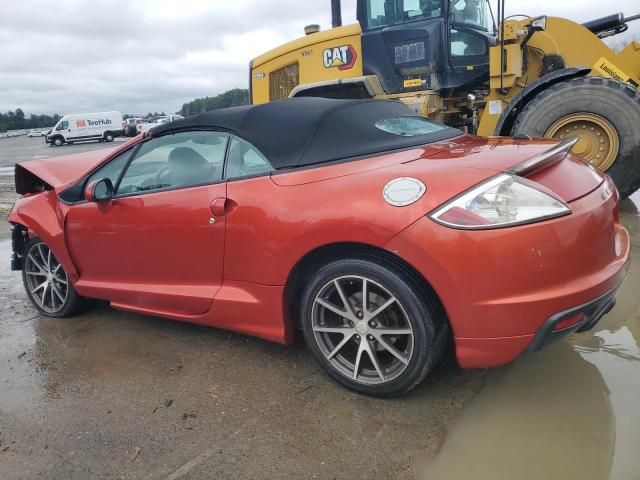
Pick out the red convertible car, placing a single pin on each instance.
(380, 234)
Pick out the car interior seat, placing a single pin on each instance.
(188, 167)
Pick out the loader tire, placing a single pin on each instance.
(603, 112)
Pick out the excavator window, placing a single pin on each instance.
(380, 13)
(474, 13)
(464, 44)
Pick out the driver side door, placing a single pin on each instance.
(157, 246)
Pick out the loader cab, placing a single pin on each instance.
(440, 45)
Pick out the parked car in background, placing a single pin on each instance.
(82, 127)
(382, 235)
(16, 133)
(37, 133)
(129, 126)
(145, 127)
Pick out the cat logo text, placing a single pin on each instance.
(342, 58)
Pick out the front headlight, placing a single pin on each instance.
(503, 201)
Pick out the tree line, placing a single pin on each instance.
(230, 98)
(18, 121)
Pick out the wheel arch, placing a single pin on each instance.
(312, 260)
(508, 118)
(39, 216)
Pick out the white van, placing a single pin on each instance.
(81, 127)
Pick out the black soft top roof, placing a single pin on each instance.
(298, 132)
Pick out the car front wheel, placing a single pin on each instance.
(47, 283)
(372, 326)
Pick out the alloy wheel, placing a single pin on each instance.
(46, 280)
(362, 330)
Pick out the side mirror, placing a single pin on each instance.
(99, 191)
(539, 24)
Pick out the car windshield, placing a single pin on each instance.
(380, 13)
(475, 13)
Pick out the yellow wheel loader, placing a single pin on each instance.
(455, 62)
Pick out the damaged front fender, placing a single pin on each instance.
(43, 216)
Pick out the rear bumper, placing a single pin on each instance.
(504, 291)
(589, 314)
(583, 296)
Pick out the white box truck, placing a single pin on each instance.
(82, 127)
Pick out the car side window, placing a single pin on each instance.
(246, 160)
(178, 160)
(113, 169)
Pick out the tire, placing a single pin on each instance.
(57, 300)
(58, 142)
(108, 137)
(618, 104)
(414, 309)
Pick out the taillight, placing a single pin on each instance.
(502, 201)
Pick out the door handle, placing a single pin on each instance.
(218, 207)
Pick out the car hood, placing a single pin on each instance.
(58, 172)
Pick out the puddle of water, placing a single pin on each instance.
(570, 411)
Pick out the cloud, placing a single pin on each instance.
(153, 55)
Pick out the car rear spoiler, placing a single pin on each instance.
(546, 159)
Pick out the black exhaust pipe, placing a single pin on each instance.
(336, 13)
(610, 22)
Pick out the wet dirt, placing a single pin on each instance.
(571, 411)
(115, 395)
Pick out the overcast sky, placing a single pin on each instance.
(138, 56)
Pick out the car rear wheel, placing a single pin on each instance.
(47, 283)
(371, 327)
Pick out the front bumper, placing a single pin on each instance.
(19, 239)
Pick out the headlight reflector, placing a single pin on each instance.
(503, 201)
